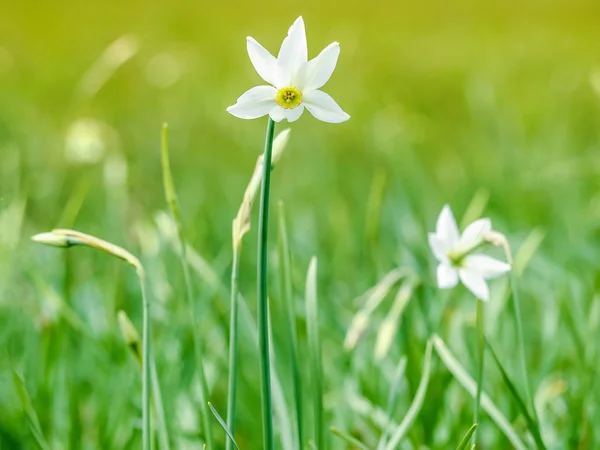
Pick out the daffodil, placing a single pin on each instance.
(294, 81)
(456, 257)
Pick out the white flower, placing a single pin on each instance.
(294, 81)
(456, 260)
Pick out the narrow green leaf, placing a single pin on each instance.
(532, 424)
(465, 440)
(393, 400)
(467, 382)
(223, 424)
(314, 351)
(32, 417)
(285, 272)
(173, 203)
(417, 403)
(348, 439)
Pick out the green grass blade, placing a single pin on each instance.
(532, 424)
(417, 403)
(173, 203)
(393, 400)
(521, 343)
(348, 439)
(314, 351)
(279, 404)
(133, 341)
(465, 440)
(467, 382)
(223, 424)
(285, 272)
(159, 409)
(480, 360)
(32, 417)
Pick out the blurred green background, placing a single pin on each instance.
(491, 107)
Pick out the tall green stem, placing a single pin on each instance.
(171, 198)
(263, 307)
(233, 343)
(146, 430)
(480, 355)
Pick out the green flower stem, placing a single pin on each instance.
(173, 204)
(480, 355)
(233, 343)
(146, 430)
(263, 307)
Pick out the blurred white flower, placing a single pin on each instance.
(85, 141)
(163, 70)
(295, 81)
(454, 253)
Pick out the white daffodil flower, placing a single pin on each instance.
(454, 253)
(295, 81)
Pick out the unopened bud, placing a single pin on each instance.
(499, 240)
(52, 239)
(130, 335)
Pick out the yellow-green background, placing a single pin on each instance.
(450, 102)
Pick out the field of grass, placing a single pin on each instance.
(491, 108)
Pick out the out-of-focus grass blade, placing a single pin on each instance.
(348, 439)
(373, 298)
(173, 204)
(114, 56)
(279, 404)
(389, 327)
(285, 272)
(373, 217)
(223, 424)
(416, 404)
(74, 203)
(32, 417)
(527, 250)
(207, 273)
(393, 399)
(467, 382)
(476, 207)
(531, 423)
(168, 230)
(465, 440)
(363, 407)
(314, 351)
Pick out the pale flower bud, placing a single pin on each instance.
(52, 239)
(499, 240)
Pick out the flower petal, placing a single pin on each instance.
(292, 54)
(278, 113)
(264, 63)
(475, 282)
(446, 228)
(437, 247)
(254, 103)
(316, 72)
(473, 234)
(447, 277)
(324, 108)
(488, 267)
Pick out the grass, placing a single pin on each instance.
(493, 112)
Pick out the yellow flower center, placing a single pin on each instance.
(288, 97)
